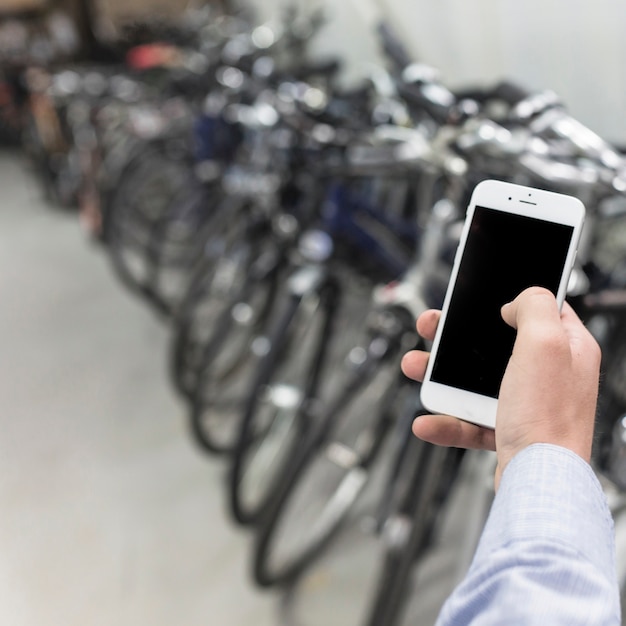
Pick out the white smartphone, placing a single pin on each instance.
(514, 237)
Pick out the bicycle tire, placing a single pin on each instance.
(228, 364)
(142, 197)
(285, 384)
(39, 158)
(177, 241)
(232, 245)
(351, 581)
(337, 587)
(415, 523)
(336, 461)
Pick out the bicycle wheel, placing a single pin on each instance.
(346, 585)
(327, 477)
(139, 203)
(228, 361)
(178, 239)
(408, 533)
(234, 249)
(282, 402)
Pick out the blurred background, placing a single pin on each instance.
(218, 222)
(544, 45)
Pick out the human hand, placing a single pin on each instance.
(549, 391)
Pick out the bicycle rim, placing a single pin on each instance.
(177, 245)
(406, 536)
(229, 359)
(277, 409)
(139, 203)
(332, 473)
(227, 253)
(333, 589)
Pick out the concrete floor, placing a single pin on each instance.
(108, 515)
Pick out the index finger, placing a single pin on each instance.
(427, 323)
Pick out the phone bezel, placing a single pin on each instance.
(509, 198)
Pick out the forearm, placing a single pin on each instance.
(547, 553)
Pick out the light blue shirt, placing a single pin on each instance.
(547, 553)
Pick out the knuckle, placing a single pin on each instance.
(549, 342)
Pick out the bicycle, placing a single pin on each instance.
(165, 239)
(387, 605)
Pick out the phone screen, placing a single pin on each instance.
(504, 254)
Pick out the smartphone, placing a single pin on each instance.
(513, 237)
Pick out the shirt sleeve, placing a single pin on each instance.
(547, 552)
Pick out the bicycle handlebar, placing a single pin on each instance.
(583, 140)
(421, 87)
(536, 136)
(506, 91)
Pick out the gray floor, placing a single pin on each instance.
(108, 516)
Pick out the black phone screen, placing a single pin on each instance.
(504, 254)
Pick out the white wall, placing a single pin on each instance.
(574, 47)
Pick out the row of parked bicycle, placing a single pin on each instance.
(290, 230)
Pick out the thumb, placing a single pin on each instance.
(532, 305)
